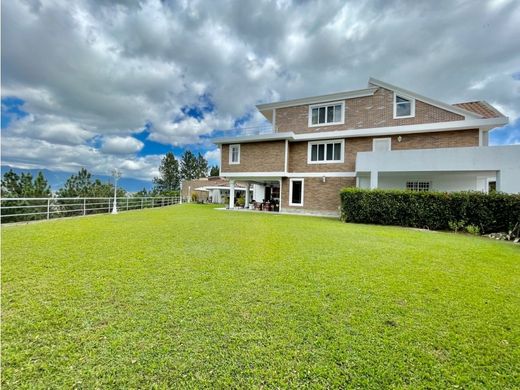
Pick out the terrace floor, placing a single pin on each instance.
(187, 296)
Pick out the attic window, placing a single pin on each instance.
(326, 114)
(404, 107)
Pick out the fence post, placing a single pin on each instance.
(152, 202)
(142, 203)
(48, 208)
(84, 206)
(108, 204)
(127, 203)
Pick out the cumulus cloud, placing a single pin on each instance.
(213, 156)
(103, 70)
(121, 145)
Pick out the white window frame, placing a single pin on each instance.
(231, 147)
(342, 102)
(412, 106)
(416, 187)
(334, 141)
(388, 139)
(291, 191)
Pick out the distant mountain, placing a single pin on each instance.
(57, 179)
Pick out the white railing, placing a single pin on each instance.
(255, 130)
(31, 209)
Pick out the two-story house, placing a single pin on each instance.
(382, 136)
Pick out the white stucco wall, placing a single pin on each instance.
(500, 161)
(440, 181)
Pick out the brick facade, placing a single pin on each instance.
(363, 112)
(322, 194)
(318, 196)
(256, 157)
(442, 139)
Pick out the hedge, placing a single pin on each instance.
(496, 212)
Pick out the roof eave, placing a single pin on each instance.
(433, 102)
(317, 99)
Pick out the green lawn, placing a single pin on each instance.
(188, 296)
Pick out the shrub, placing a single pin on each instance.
(241, 201)
(493, 212)
(194, 197)
(472, 229)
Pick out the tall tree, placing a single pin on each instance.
(202, 166)
(189, 166)
(169, 179)
(77, 185)
(215, 171)
(23, 186)
(81, 185)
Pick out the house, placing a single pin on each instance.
(213, 189)
(382, 136)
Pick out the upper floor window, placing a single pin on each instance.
(326, 152)
(234, 154)
(404, 107)
(326, 114)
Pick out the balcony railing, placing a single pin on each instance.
(32, 209)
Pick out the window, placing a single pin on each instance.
(326, 114)
(296, 192)
(381, 144)
(234, 154)
(420, 186)
(325, 152)
(403, 107)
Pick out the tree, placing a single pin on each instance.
(23, 186)
(169, 179)
(202, 166)
(82, 186)
(215, 171)
(189, 166)
(78, 185)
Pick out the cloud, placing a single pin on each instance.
(104, 69)
(29, 153)
(213, 157)
(121, 145)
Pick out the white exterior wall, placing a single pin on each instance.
(444, 182)
(440, 181)
(500, 161)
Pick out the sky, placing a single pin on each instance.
(103, 83)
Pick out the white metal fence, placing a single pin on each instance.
(32, 209)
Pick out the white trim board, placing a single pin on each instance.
(318, 99)
(486, 124)
(278, 175)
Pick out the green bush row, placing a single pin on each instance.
(495, 212)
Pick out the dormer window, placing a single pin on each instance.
(404, 107)
(327, 114)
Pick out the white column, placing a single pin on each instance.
(374, 176)
(231, 194)
(247, 195)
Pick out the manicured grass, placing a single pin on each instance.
(188, 296)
